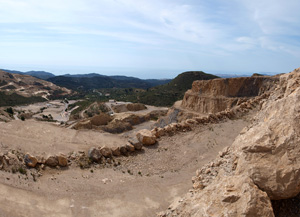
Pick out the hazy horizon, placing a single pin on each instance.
(145, 74)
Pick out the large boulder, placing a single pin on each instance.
(94, 154)
(227, 196)
(30, 160)
(146, 137)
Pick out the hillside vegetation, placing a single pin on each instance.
(95, 81)
(167, 94)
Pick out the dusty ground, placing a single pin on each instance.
(141, 185)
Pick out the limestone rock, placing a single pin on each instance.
(269, 151)
(130, 147)
(62, 160)
(219, 94)
(116, 151)
(136, 143)
(146, 137)
(94, 154)
(233, 196)
(123, 150)
(52, 161)
(30, 160)
(106, 152)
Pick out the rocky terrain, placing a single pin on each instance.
(260, 167)
(211, 96)
(242, 147)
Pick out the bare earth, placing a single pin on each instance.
(142, 185)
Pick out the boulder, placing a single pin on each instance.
(94, 154)
(136, 143)
(227, 196)
(106, 152)
(146, 137)
(130, 147)
(123, 150)
(52, 161)
(62, 160)
(30, 160)
(116, 151)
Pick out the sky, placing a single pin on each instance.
(150, 38)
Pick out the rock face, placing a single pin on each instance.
(227, 196)
(261, 165)
(146, 137)
(212, 96)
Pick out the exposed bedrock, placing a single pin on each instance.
(212, 96)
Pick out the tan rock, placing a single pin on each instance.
(62, 160)
(130, 147)
(94, 154)
(52, 161)
(124, 150)
(30, 160)
(106, 152)
(116, 151)
(146, 137)
(136, 143)
(233, 196)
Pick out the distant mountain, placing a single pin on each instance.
(38, 74)
(89, 75)
(97, 81)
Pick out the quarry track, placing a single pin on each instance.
(142, 185)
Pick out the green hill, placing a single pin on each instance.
(167, 94)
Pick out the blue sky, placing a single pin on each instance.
(150, 39)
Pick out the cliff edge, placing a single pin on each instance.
(260, 167)
(212, 96)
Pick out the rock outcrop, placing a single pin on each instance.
(212, 96)
(261, 165)
(146, 137)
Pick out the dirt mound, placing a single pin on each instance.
(119, 108)
(101, 119)
(135, 106)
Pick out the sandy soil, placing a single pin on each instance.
(38, 137)
(142, 185)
